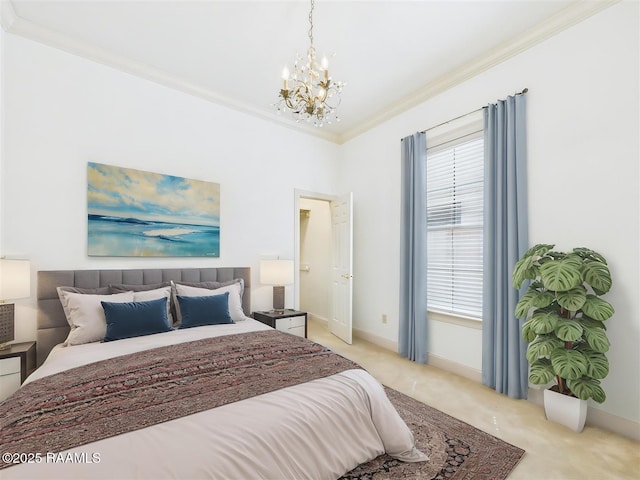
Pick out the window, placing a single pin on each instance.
(455, 177)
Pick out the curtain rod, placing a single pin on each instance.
(466, 114)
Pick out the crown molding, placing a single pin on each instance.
(14, 24)
(7, 14)
(569, 16)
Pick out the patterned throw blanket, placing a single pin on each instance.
(127, 393)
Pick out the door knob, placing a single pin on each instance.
(346, 275)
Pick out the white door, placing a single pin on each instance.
(340, 321)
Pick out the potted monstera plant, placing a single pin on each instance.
(565, 327)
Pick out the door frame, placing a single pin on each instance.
(298, 194)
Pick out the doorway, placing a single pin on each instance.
(315, 259)
(323, 265)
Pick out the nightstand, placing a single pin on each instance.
(290, 321)
(16, 363)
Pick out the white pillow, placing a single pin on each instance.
(155, 294)
(235, 301)
(86, 316)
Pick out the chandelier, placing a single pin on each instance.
(309, 92)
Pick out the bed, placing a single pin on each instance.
(230, 400)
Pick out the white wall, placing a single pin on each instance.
(2, 35)
(583, 111)
(62, 111)
(315, 252)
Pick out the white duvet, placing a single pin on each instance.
(316, 430)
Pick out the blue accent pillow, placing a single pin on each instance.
(207, 310)
(135, 319)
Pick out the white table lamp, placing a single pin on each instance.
(277, 273)
(15, 282)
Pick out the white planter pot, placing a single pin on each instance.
(565, 410)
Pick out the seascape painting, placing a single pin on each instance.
(132, 213)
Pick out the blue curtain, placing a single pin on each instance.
(412, 338)
(504, 365)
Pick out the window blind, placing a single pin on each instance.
(455, 175)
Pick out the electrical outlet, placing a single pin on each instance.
(384, 318)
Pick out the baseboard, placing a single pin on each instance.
(433, 360)
(595, 417)
(609, 421)
(454, 367)
(375, 339)
(598, 418)
(312, 317)
(361, 334)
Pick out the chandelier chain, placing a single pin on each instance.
(311, 22)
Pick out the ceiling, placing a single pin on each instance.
(391, 54)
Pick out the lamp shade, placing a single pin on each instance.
(15, 279)
(276, 272)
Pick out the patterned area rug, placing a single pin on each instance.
(456, 450)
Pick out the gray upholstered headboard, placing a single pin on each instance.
(52, 323)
